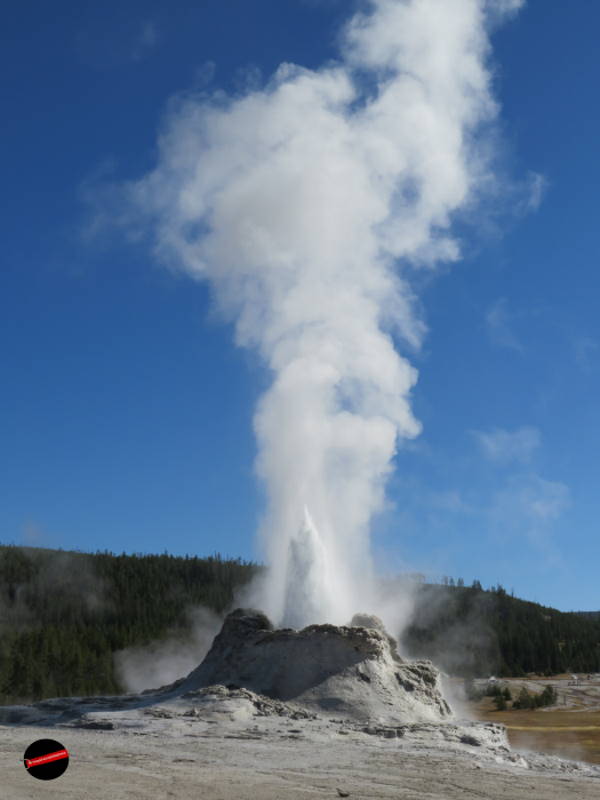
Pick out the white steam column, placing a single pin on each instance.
(307, 584)
(308, 204)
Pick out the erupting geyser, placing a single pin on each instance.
(307, 582)
(308, 205)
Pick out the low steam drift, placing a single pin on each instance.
(306, 205)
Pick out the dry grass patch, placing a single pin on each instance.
(569, 734)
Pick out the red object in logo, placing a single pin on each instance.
(46, 759)
(36, 762)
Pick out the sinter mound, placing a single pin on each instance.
(353, 671)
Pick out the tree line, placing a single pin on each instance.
(64, 614)
(469, 631)
(503, 699)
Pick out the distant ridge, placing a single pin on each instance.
(63, 615)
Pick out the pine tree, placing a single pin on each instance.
(524, 700)
(500, 702)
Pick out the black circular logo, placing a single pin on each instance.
(46, 759)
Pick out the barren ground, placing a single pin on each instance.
(354, 733)
(226, 752)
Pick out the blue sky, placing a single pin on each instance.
(126, 410)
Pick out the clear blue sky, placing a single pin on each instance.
(126, 411)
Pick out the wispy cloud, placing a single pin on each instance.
(544, 500)
(526, 507)
(203, 75)
(451, 500)
(499, 326)
(523, 505)
(503, 446)
(586, 353)
(533, 498)
(537, 185)
(508, 6)
(145, 40)
(117, 42)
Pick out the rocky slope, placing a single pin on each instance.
(353, 671)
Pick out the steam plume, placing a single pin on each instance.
(306, 205)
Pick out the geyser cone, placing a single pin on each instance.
(307, 582)
(353, 671)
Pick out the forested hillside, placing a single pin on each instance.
(471, 632)
(590, 614)
(64, 614)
